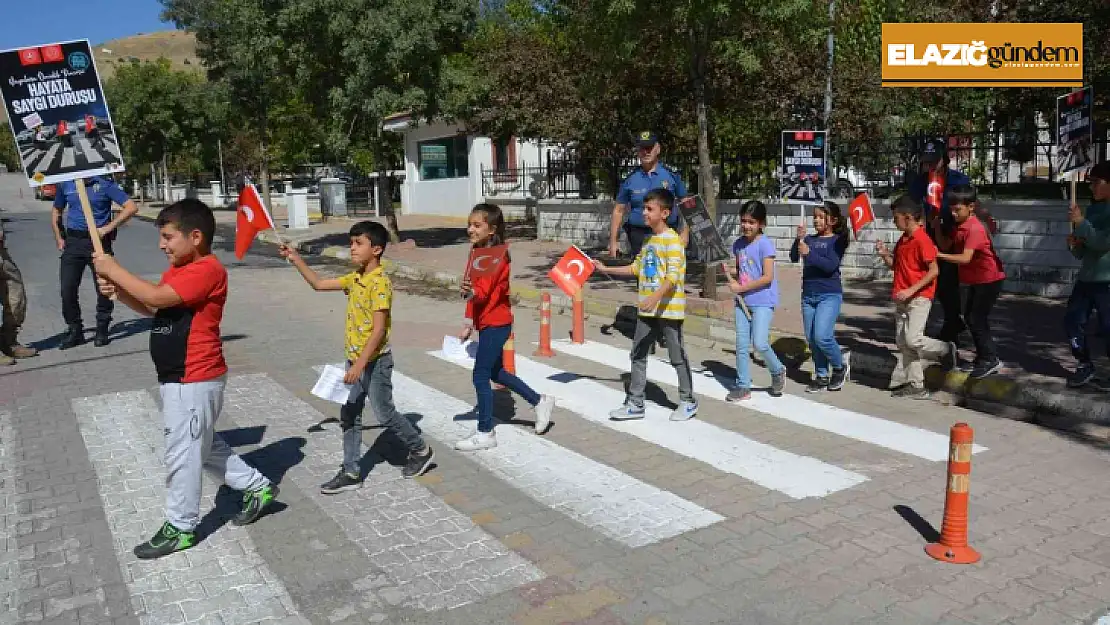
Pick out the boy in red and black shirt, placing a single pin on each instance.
(187, 306)
(914, 262)
(980, 272)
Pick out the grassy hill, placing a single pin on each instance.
(178, 46)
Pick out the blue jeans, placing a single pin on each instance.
(487, 366)
(1086, 298)
(376, 386)
(819, 314)
(757, 332)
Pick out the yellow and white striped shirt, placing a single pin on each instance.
(662, 258)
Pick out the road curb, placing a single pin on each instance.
(1015, 397)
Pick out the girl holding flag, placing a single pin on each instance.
(485, 287)
(822, 293)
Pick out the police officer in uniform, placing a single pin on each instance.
(630, 198)
(75, 243)
(934, 159)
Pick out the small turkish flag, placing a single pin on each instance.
(29, 56)
(52, 54)
(934, 193)
(486, 261)
(572, 271)
(860, 213)
(252, 219)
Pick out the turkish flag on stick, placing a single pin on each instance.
(860, 213)
(485, 261)
(252, 219)
(572, 271)
(934, 193)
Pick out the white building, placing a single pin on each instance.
(444, 166)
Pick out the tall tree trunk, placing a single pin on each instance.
(699, 45)
(264, 175)
(381, 160)
(166, 187)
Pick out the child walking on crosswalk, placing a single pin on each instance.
(489, 311)
(755, 284)
(661, 271)
(188, 306)
(369, 356)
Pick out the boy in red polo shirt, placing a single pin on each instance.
(980, 271)
(914, 262)
(187, 306)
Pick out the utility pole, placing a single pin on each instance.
(223, 180)
(829, 162)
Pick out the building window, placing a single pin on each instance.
(443, 158)
(504, 154)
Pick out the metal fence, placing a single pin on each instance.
(1011, 161)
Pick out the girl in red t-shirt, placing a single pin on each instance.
(489, 311)
(981, 274)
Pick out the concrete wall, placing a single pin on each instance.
(1031, 240)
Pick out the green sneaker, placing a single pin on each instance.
(168, 540)
(255, 503)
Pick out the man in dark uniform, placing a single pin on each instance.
(630, 198)
(75, 243)
(934, 159)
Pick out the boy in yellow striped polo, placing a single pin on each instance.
(660, 268)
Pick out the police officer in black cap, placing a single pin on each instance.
(934, 161)
(630, 198)
(75, 243)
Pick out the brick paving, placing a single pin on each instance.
(1038, 500)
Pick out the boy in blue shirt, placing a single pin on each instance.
(1090, 243)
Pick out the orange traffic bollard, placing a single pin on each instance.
(578, 330)
(952, 546)
(508, 356)
(545, 327)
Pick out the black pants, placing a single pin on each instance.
(75, 257)
(948, 294)
(979, 301)
(636, 237)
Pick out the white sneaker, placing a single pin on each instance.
(543, 413)
(478, 440)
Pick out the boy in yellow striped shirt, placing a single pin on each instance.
(660, 269)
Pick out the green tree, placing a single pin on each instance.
(362, 60)
(162, 114)
(243, 47)
(9, 153)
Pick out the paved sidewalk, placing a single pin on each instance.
(1028, 329)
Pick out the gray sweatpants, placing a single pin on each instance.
(375, 385)
(190, 412)
(648, 331)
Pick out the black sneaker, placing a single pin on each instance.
(74, 337)
(255, 503)
(778, 383)
(984, 369)
(1083, 374)
(418, 464)
(737, 395)
(838, 378)
(911, 391)
(952, 360)
(817, 385)
(168, 540)
(341, 482)
(100, 339)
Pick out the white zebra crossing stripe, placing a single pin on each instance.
(899, 437)
(9, 554)
(123, 436)
(92, 156)
(596, 495)
(69, 157)
(44, 163)
(793, 475)
(435, 557)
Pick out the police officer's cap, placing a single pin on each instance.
(933, 151)
(646, 139)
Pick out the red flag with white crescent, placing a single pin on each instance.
(252, 219)
(860, 212)
(572, 271)
(485, 261)
(934, 193)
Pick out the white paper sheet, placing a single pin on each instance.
(456, 349)
(330, 386)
